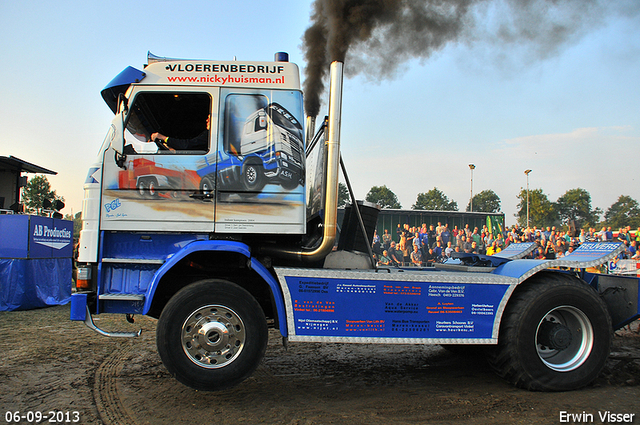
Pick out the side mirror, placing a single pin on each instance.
(123, 105)
(116, 133)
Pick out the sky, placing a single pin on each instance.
(570, 113)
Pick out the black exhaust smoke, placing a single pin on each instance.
(415, 26)
(377, 37)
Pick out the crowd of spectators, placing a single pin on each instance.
(423, 246)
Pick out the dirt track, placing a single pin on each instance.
(49, 363)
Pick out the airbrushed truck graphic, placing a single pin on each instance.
(267, 149)
(270, 150)
(248, 243)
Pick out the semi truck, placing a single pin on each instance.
(218, 270)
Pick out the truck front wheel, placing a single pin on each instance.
(212, 335)
(206, 185)
(253, 178)
(153, 185)
(555, 335)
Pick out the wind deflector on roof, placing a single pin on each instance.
(120, 84)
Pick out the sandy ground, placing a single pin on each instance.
(50, 364)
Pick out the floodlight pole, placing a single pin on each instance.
(527, 173)
(471, 167)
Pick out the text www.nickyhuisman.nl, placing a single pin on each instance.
(228, 79)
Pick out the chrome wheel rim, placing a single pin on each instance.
(252, 174)
(206, 187)
(564, 338)
(213, 336)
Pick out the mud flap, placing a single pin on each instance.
(620, 293)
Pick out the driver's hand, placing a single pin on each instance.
(158, 136)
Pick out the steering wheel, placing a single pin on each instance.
(162, 145)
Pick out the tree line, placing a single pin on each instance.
(572, 208)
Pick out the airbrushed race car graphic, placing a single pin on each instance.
(260, 143)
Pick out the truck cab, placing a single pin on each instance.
(138, 184)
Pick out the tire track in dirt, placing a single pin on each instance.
(105, 390)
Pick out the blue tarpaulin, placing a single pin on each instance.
(33, 283)
(35, 262)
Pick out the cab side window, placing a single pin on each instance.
(244, 116)
(181, 118)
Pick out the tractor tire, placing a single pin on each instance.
(555, 335)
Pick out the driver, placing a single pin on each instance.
(200, 142)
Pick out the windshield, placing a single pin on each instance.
(181, 117)
(283, 118)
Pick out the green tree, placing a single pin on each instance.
(485, 201)
(542, 211)
(383, 196)
(434, 199)
(35, 192)
(575, 205)
(624, 212)
(343, 195)
(77, 223)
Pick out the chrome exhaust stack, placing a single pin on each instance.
(332, 145)
(333, 160)
(311, 128)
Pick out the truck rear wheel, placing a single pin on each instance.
(153, 187)
(212, 335)
(555, 335)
